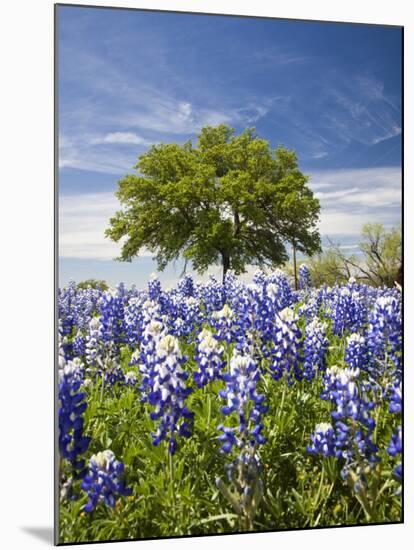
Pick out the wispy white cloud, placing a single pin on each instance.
(96, 160)
(351, 198)
(278, 57)
(120, 137)
(360, 109)
(335, 110)
(83, 219)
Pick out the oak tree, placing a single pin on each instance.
(229, 199)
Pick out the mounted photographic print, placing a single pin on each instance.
(229, 274)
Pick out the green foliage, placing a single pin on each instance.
(328, 268)
(93, 283)
(377, 263)
(383, 253)
(231, 199)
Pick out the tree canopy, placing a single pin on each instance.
(230, 199)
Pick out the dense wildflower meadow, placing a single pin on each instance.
(216, 408)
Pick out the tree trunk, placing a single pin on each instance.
(295, 272)
(226, 264)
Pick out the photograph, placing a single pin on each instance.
(229, 274)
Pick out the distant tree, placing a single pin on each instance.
(383, 254)
(231, 199)
(328, 268)
(378, 262)
(93, 283)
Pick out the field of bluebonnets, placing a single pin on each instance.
(215, 408)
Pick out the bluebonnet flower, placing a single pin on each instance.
(278, 290)
(79, 345)
(114, 375)
(356, 352)
(304, 277)
(242, 398)
(384, 335)
(209, 358)
(104, 481)
(224, 321)
(186, 286)
(185, 316)
(94, 348)
(112, 306)
(354, 424)
(286, 351)
(131, 378)
(72, 404)
(65, 353)
(102, 354)
(145, 357)
(323, 440)
(348, 309)
(243, 472)
(154, 288)
(76, 308)
(211, 295)
(310, 308)
(395, 396)
(168, 392)
(231, 287)
(315, 348)
(133, 320)
(395, 448)
(67, 308)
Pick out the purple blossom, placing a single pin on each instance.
(287, 347)
(168, 392)
(72, 405)
(104, 481)
(242, 399)
(356, 352)
(384, 335)
(323, 440)
(395, 448)
(209, 358)
(304, 277)
(315, 348)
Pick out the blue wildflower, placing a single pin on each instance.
(242, 398)
(304, 277)
(323, 440)
(356, 352)
(103, 482)
(395, 448)
(287, 347)
(315, 349)
(395, 397)
(224, 321)
(209, 358)
(72, 405)
(384, 335)
(168, 392)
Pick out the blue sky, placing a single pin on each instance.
(128, 79)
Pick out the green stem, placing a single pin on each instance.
(228, 357)
(172, 488)
(208, 410)
(282, 401)
(102, 385)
